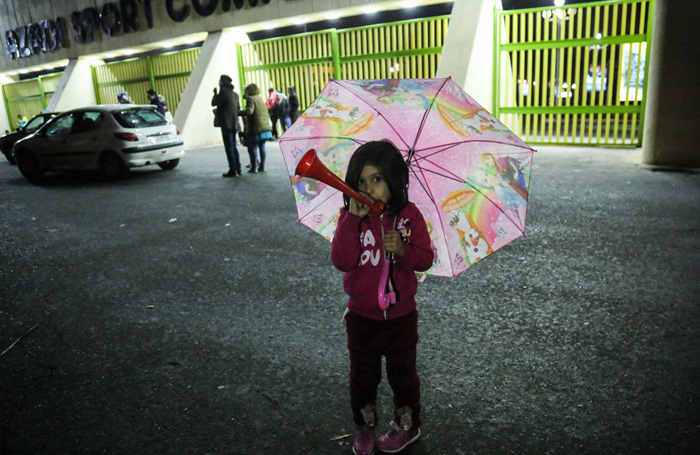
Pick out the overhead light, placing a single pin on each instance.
(128, 52)
(269, 26)
(332, 16)
(300, 20)
(109, 55)
(370, 9)
(167, 45)
(11, 73)
(410, 4)
(93, 61)
(48, 67)
(559, 3)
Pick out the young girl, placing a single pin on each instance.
(366, 248)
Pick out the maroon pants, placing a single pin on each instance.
(395, 339)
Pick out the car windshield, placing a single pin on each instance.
(139, 118)
(35, 123)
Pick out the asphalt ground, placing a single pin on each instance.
(180, 312)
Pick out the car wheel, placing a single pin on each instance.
(112, 166)
(9, 155)
(28, 165)
(170, 164)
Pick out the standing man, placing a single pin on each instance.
(227, 105)
(157, 100)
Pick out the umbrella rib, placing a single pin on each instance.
(496, 205)
(427, 111)
(310, 212)
(306, 138)
(428, 191)
(452, 176)
(379, 114)
(444, 147)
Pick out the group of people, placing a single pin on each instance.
(259, 121)
(284, 108)
(154, 98)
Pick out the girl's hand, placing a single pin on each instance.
(393, 243)
(358, 208)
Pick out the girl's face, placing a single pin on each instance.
(372, 183)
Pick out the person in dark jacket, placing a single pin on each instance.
(278, 107)
(227, 105)
(157, 100)
(293, 104)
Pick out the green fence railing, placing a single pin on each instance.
(29, 97)
(166, 73)
(574, 75)
(407, 49)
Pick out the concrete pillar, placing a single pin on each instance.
(194, 114)
(467, 54)
(672, 115)
(5, 124)
(75, 89)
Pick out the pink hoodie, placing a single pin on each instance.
(358, 251)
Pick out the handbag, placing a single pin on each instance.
(242, 139)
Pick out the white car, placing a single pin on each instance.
(111, 137)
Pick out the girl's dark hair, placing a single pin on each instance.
(392, 167)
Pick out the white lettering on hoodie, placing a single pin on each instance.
(369, 255)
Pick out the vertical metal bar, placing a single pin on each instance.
(241, 66)
(335, 54)
(497, 14)
(594, 65)
(648, 31)
(625, 101)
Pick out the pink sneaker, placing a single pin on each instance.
(364, 440)
(397, 439)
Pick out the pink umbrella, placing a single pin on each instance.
(469, 174)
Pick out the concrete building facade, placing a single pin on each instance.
(76, 34)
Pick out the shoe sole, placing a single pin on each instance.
(415, 438)
(353, 451)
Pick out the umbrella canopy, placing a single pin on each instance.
(469, 174)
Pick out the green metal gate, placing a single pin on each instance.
(166, 73)
(574, 75)
(29, 97)
(396, 50)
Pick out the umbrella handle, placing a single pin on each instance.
(311, 167)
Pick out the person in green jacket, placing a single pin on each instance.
(257, 126)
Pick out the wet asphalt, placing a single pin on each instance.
(178, 312)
